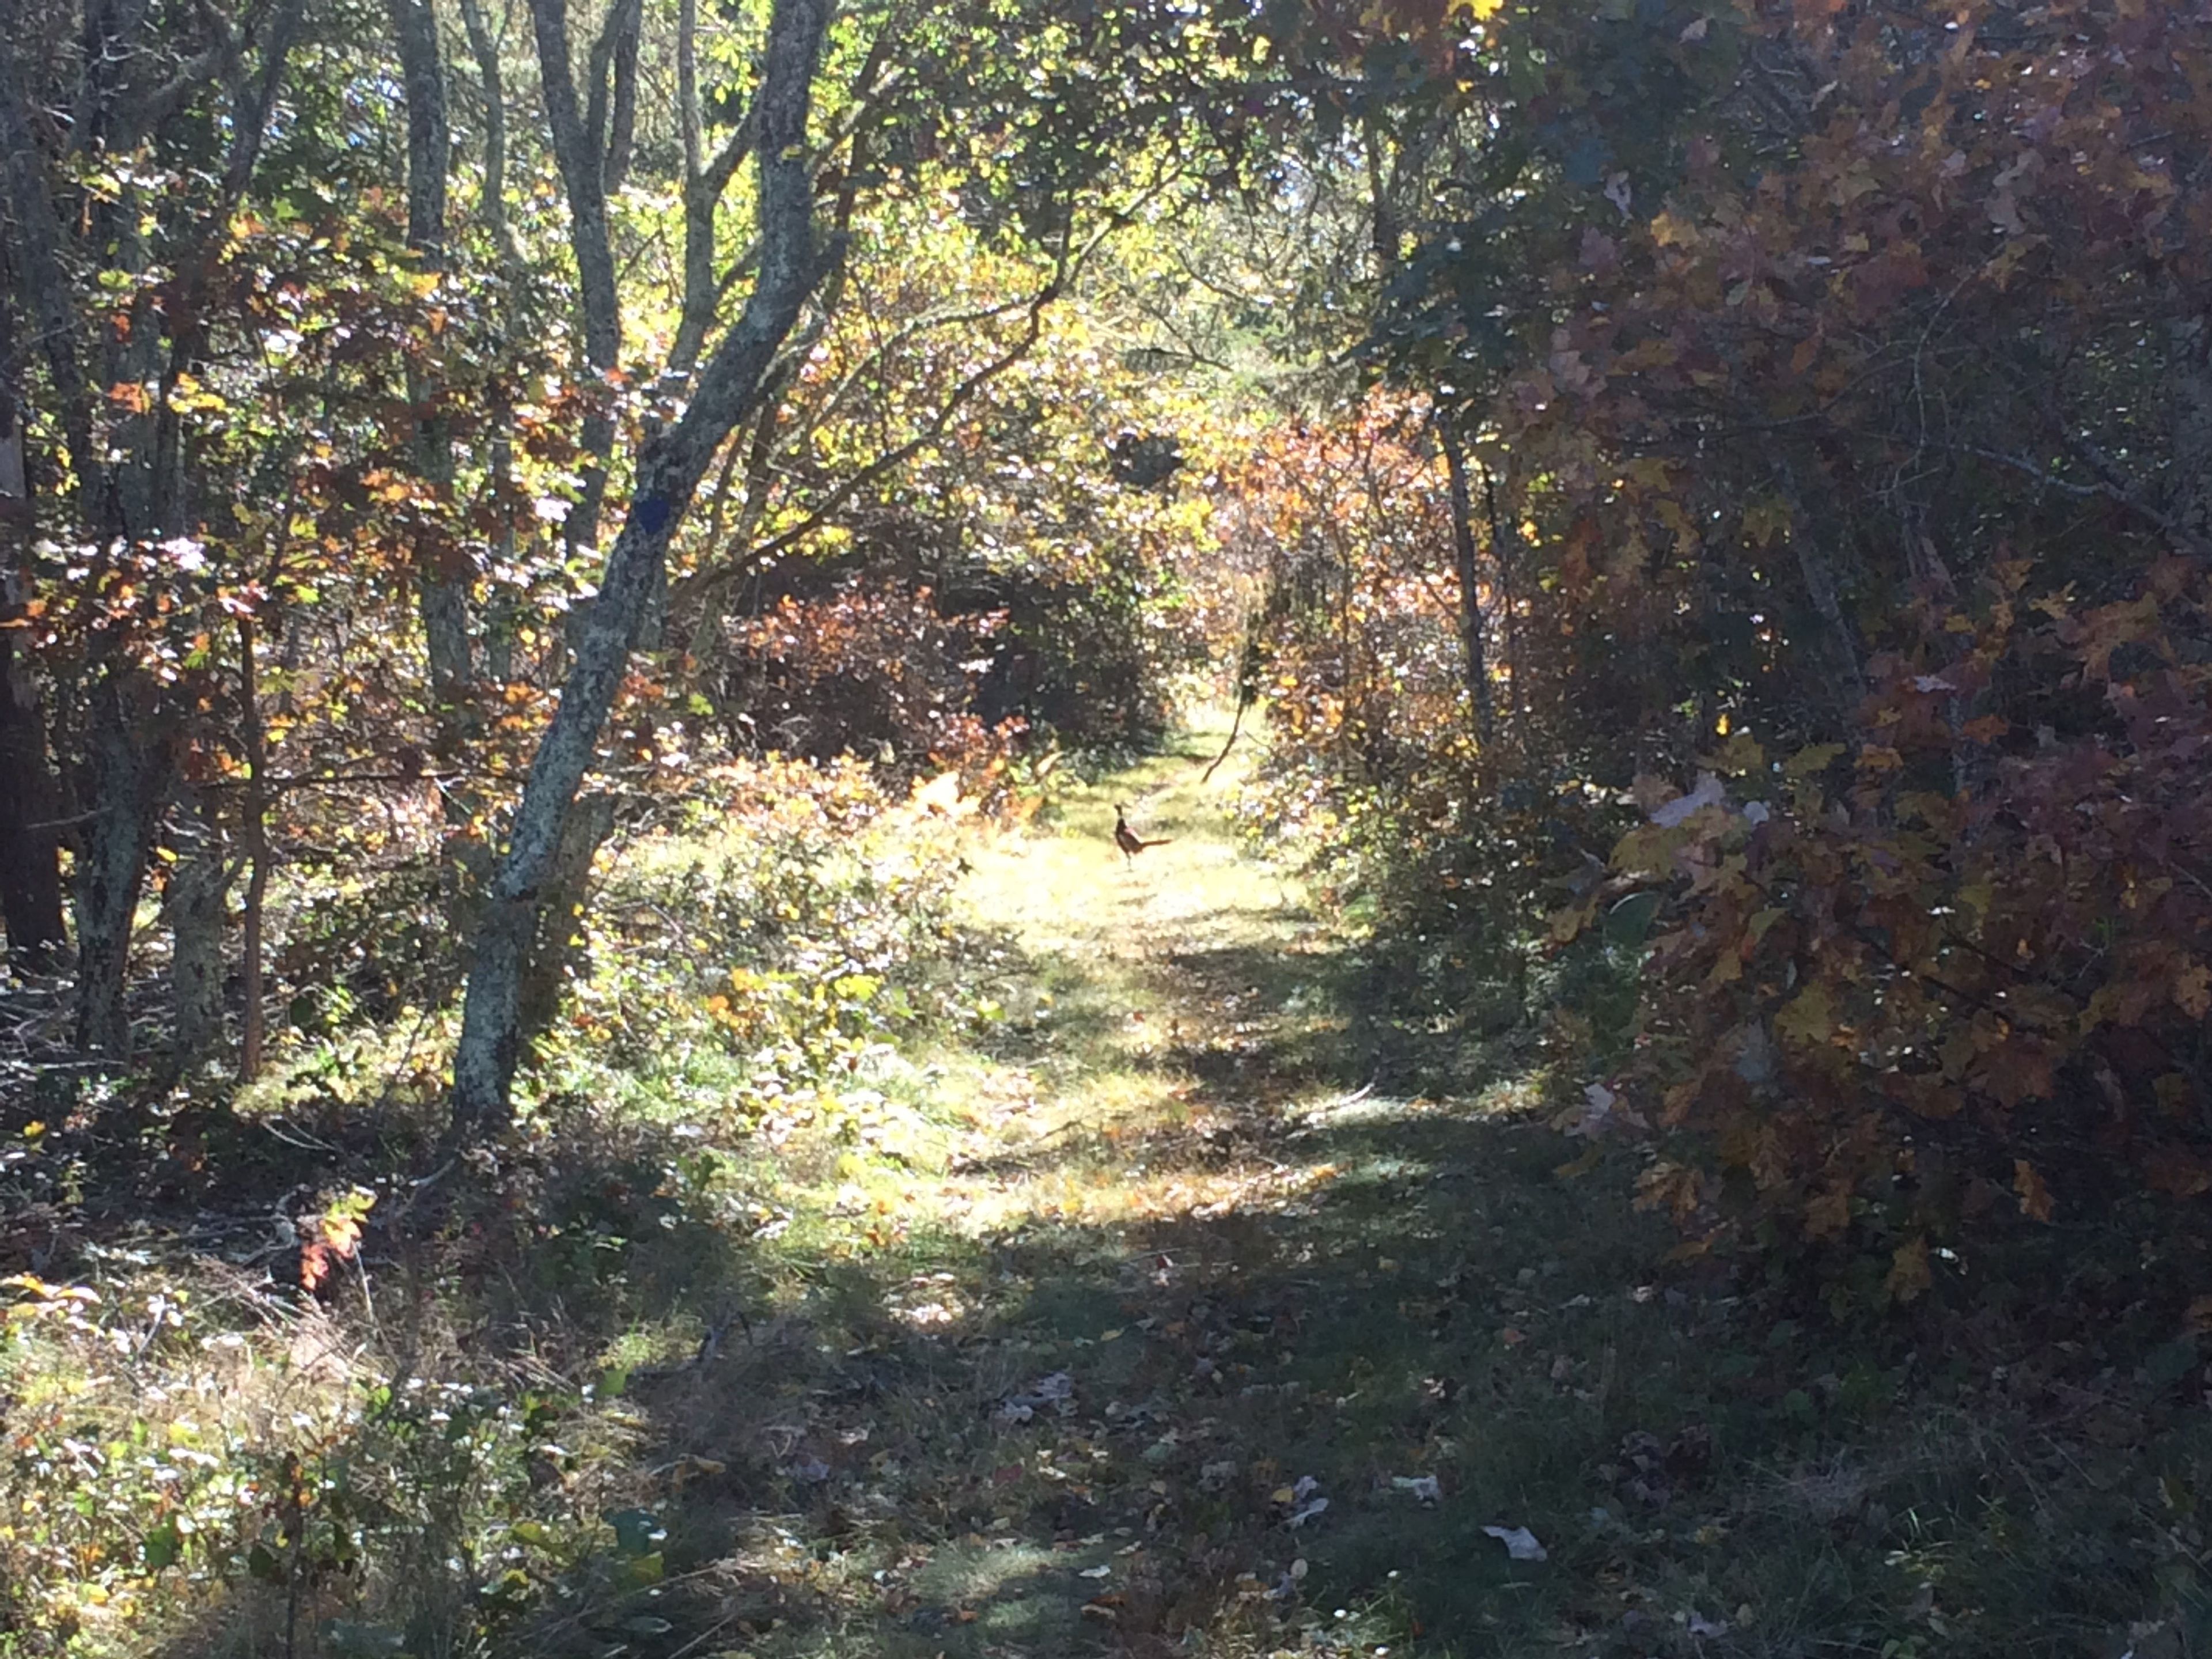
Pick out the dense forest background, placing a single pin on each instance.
(533, 532)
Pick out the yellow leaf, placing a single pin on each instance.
(1908, 1271)
(1809, 1017)
(1580, 1166)
(1813, 757)
(1740, 756)
(2192, 990)
(1567, 923)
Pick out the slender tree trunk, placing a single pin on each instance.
(1472, 625)
(578, 150)
(253, 1037)
(30, 848)
(126, 777)
(194, 908)
(30, 851)
(2189, 398)
(492, 203)
(34, 265)
(1504, 549)
(440, 565)
(500, 615)
(557, 951)
(668, 473)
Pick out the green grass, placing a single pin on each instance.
(1027, 1348)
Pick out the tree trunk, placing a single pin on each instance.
(30, 848)
(580, 153)
(1472, 624)
(440, 567)
(558, 950)
(668, 474)
(126, 778)
(2189, 398)
(1504, 558)
(30, 851)
(252, 1038)
(194, 910)
(500, 613)
(34, 266)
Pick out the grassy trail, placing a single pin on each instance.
(1184, 1293)
(1146, 1318)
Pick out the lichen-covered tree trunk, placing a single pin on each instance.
(558, 950)
(669, 471)
(194, 908)
(126, 778)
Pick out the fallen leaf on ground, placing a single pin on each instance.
(1520, 1543)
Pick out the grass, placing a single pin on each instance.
(1048, 1340)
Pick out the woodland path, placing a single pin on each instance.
(1145, 1278)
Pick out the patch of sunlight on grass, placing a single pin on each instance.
(1337, 1111)
(966, 1575)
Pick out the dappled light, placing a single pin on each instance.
(1343, 830)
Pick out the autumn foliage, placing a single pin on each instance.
(1835, 388)
(1891, 1010)
(1894, 440)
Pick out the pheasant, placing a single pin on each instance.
(1128, 840)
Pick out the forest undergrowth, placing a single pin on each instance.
(1029, 1252)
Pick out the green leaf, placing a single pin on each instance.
(1628, 923)
(164, 1546)
(636, 1531)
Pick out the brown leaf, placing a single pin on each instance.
(2034, 1196)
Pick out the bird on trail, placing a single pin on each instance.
(1128, 840)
